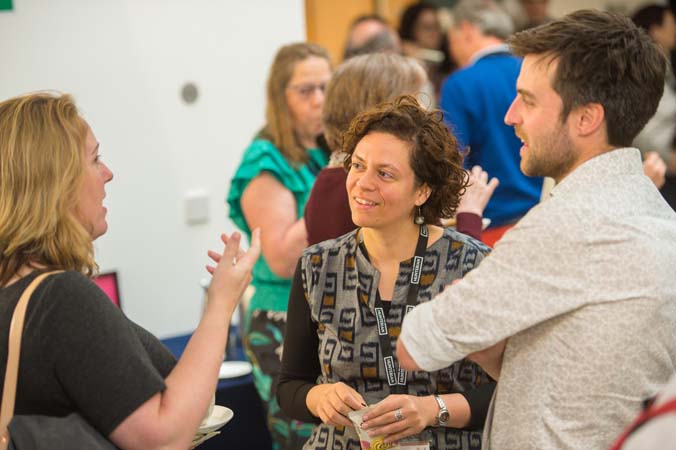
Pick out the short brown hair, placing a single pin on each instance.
(279, 126)
(602, 58)
(363, 82)
(42, 142)
(434, 157)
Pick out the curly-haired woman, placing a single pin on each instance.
(350, 294)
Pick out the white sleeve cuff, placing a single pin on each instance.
(424, 340)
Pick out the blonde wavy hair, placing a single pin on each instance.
(42, 141)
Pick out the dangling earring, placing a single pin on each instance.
(419, 218)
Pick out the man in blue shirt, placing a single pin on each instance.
(475, 99)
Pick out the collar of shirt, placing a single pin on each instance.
(618, 162)
(497, 48)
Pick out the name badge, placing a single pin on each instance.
(390, 371)
(402, 377)
(417, 268)
(382, 324)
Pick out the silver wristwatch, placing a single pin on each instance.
(443, 415)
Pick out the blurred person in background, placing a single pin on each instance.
(423, 38)
(527, 13)
(474, 100)
(269, 191)
(535, 13)
(370, 34)
(658, 135)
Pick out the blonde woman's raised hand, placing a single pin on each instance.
(232, 272)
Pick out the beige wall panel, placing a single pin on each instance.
(328, 21)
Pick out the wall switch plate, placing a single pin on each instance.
(196, 207)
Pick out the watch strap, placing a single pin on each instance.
(442, 410)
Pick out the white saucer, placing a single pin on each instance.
(234, 369)
(220, 415)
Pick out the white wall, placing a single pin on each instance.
(125, 62)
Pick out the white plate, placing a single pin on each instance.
(220, 415)
(234, 369)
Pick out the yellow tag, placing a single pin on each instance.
(378, 444)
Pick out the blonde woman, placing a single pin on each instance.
(79, 352)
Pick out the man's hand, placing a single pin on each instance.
(490, 359)
(654, 168)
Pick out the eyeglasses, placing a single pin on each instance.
(306, 91)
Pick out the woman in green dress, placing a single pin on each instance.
(269, 191)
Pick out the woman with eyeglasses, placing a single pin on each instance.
(269, 191)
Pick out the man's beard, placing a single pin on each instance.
(552, 156)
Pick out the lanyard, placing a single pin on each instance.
(396, 377)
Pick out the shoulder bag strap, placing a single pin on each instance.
(13, 352)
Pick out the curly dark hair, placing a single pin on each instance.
(434, 158)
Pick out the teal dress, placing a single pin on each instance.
(266, 315)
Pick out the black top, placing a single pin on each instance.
(80, 353)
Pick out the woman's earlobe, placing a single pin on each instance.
(426, 193)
